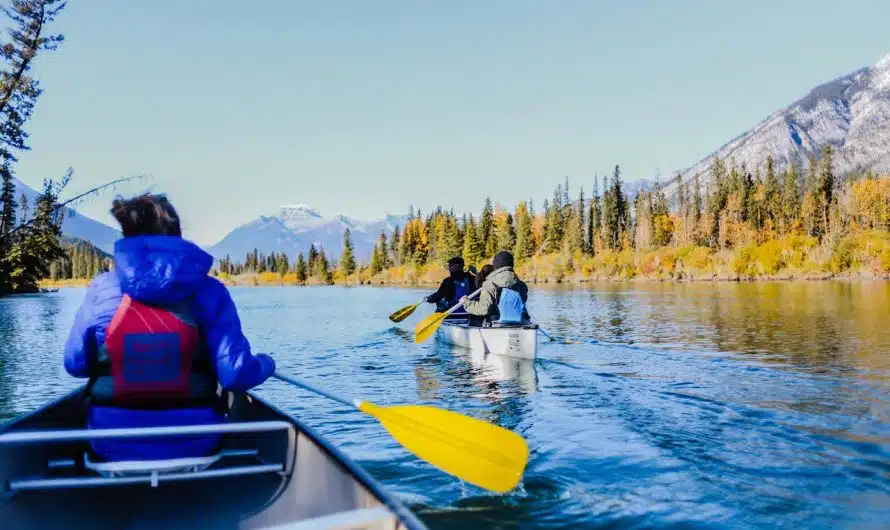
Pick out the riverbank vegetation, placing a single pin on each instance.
(733, 223)
(29, 232)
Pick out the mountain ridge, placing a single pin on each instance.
(298, 226)
(851, 113)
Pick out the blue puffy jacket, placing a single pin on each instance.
(163, 270)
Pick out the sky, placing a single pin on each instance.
(365, 108)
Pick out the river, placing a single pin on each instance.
(713, 405)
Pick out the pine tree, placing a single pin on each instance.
(773, 194)
(321, 270)
(472, 252)
(383, 251)
(574, 240)
(505, 234)
(394, 246)
(374, 266)
(825, 184)
(790, 197)
(302, 273)
(313, 257)
(616, 212)
(486, 226)
(347, 257)
(662, 228)
(525, 237)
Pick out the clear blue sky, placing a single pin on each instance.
(364, 107)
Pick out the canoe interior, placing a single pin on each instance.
(323, 483)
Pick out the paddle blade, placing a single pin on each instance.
(472, 450)
(426, 327)
(403, 313)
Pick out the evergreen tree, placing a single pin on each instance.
(505, 234)
(554, 228)
(347, 257)
(662, 230)
(773, 195)
(313, 258)
(574, 239)
(383, 251)
(394, 246)
(321, 270)
(486, 226)
(301, 269)
(790, 197)
(525, 237)
(825, 184)
(472, 252)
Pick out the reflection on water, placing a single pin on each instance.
(736, 405)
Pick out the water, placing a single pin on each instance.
(686, 406)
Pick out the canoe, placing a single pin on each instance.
(519, 341)
(272, 472)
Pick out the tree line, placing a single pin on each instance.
(315, 265)
(729, 207)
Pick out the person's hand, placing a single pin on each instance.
(463, 300)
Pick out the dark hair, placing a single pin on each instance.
(146, 215)
(456, 260)
(486, 269)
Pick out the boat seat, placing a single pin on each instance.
(142, 467)
(518, 325)
(151, 471)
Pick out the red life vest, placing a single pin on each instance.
(152, 358)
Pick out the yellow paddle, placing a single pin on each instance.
(472, 450)
(405, 312)
(426, 327)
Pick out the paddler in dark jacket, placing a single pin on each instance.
(459, 283)
(504, 296)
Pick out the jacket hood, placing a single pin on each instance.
(503, 277)
(160, 269)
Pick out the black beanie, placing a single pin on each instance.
(502, 259)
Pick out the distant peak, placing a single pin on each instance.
(883, 63)
(304, 208)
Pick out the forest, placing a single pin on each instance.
(732, 223)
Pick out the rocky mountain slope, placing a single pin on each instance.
(851, 113)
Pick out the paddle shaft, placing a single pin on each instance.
(303, 384)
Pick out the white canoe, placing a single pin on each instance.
(512, 341)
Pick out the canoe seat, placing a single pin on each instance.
(518, 325)
(147, 467)
(225, 463)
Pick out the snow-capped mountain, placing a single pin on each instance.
(851, 113)
(298, 226)
(75, 225)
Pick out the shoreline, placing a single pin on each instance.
(252, 281)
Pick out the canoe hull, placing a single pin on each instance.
(518, 342)
(317, 482)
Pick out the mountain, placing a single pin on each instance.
(851, 113)
(75, 225)
(298, 226)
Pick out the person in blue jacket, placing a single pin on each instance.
(157, 336)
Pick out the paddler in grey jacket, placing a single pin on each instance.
(504, 296)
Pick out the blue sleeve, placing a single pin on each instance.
(95, 312)
(236, 368)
